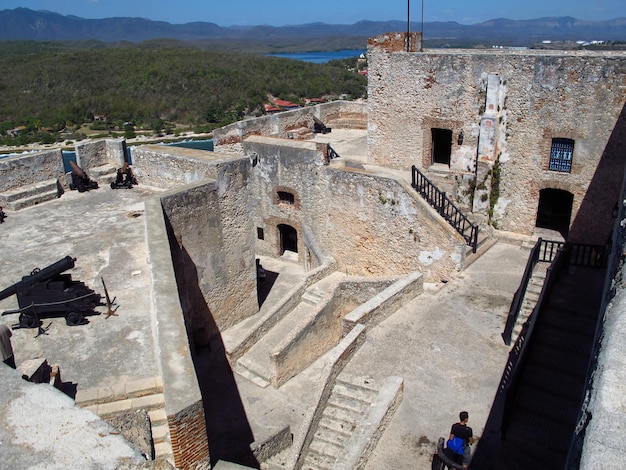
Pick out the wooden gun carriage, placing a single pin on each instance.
(49, 293)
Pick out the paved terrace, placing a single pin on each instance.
(445, 344)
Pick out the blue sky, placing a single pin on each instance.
(283, 12)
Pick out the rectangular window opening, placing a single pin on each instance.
(561, 155)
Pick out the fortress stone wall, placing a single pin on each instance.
(351, 114)
(505, 107)
(369, 224)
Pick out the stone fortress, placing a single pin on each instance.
(523, 142)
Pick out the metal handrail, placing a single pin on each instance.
(516, 355)
(445, 207)
(516, 304)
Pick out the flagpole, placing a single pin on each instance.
(408, 25)
(422, 40)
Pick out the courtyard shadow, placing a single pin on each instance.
(228, 431)
(594, 221)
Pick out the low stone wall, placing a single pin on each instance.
(323, 328)
(181, 165)
(31, 168)
(183, 400)
(386, 302)
(99, 153)
(341, 113)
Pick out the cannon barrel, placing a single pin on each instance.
(40, 275)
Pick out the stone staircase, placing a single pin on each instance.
(257, 364)
(530, 297)
(543, 409)
(351, 423)
(30, 195)
(143, 394)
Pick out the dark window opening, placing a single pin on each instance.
(555, 210)
(260, 234)
(285, 197)
(288, 238)
(561, 155)
(442, 145)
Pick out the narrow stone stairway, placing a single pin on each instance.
(258, 365)
(544, 408)
(347, 409)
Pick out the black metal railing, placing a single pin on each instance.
(575, 254)
(516, 355)
(445, 207)
(516, 305)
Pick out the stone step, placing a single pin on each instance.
(317, 461)
(338, 427)
(325, 448)
(356, 391)
(158, 417)
(32, 200)
(146, 402)
(253, 372)
(348, 403)
(29, 190)
(164, 450)
(125, 390)
(160, 433)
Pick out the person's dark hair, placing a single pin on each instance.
(463, 415)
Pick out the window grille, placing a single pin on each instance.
(561, 155)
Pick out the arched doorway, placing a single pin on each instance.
(555, 210)
(288, 238)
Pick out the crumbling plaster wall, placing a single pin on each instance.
(575, 95)
(370, 225)
(376, 227)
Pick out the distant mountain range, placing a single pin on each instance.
(26, 24)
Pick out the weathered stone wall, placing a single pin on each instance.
(99, 153)
(162, 166)
(30, 168)
(539, 96)
(295, 167)
(213, 250)
(281, 124)
(181, 390)
(376, 228)
(371, 225)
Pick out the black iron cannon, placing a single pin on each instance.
(49, 293)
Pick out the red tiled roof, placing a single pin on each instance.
(285, 104)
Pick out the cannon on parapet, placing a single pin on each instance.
(80, 180)
(319, 127)
(49, 293)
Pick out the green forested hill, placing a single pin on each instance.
(54, 86)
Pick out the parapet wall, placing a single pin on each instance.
(183, 400)
(99, 153)
(339, 113)
(30, 168)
